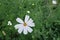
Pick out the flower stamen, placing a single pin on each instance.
(25, 24)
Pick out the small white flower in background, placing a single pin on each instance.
(28, 11)
(33, 4)
(54, 1)
(25, 26)
(9, 23)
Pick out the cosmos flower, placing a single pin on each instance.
(24, 26)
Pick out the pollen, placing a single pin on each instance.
(25, 24)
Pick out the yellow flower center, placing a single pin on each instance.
(25, 24)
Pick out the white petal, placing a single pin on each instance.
(30, 23)
(17, 26)
(9, 23)
(29, 29)
(20, 30)
(19, 20)
(25, 31)
(26, 18)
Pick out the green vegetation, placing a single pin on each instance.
(45, 15)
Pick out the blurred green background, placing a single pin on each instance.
(45, 15)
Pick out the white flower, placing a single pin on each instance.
(28, 11)
(25, 26)
(33, 4)
(9, 23)
(54, 1)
